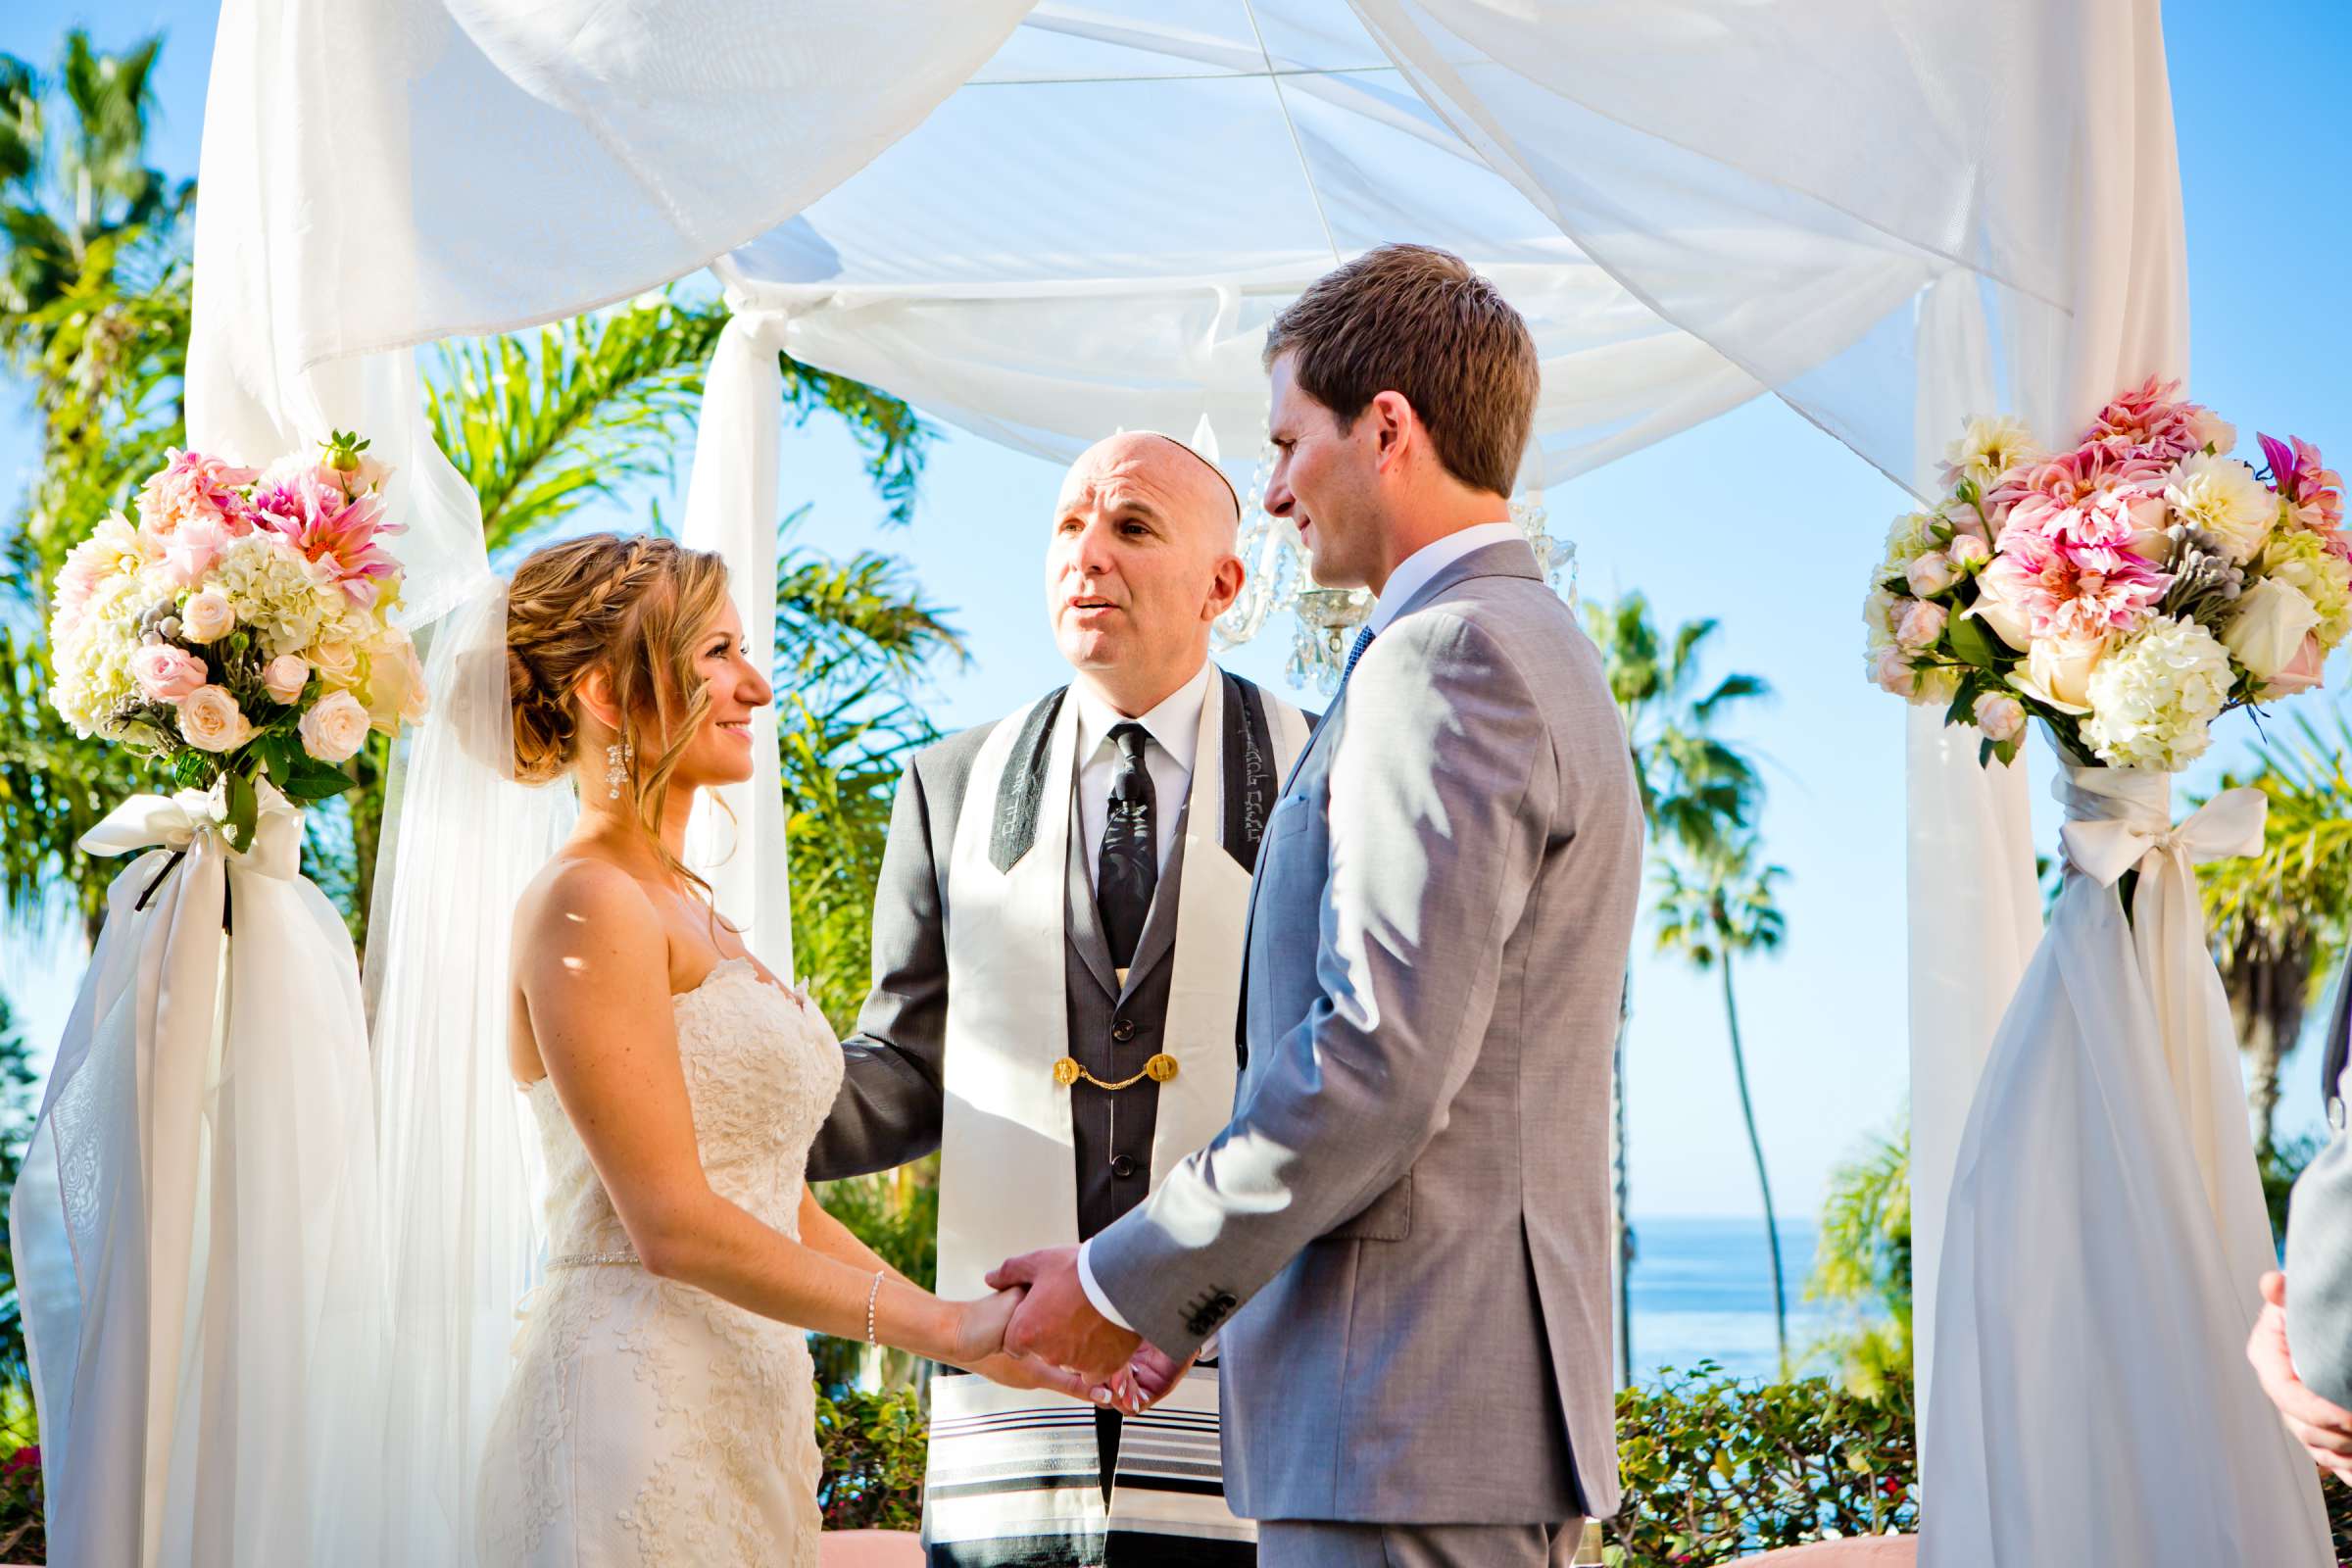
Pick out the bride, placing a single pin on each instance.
(661, 1404)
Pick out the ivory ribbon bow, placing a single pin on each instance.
(2114, 825)
(177, 822)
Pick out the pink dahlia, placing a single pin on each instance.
(2313, 495)
(2092, 496)
(2153, 422)
(191, 487)
(2057, 588)
(329, 527)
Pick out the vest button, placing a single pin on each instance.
(1122, 1167)
(1123, 1030)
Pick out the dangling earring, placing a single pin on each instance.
(617, 757)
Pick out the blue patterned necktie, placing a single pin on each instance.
(1128, 869)
(1363, 640)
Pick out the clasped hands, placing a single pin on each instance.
(1056, 1339)
(2321, 1427)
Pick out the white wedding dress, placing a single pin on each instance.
(646, 1421)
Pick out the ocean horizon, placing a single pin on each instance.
(1702, 1292)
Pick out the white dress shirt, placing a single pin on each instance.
(1413, 572)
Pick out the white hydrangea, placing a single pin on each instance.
(2153, 699)
(283, 597)
(2222, 496)
(2299, 558)
(94, 682)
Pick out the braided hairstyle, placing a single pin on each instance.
(636, 609)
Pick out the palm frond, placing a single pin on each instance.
(585, 409)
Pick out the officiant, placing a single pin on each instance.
(1056, 959)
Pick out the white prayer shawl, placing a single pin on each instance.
(1011, 1466)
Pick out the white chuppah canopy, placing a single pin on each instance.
(1043, 222)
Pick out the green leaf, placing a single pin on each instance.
(1971, 643)
(1963, 709)
(309, 779)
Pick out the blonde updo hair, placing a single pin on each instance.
(636, 609)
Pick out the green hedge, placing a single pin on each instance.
(1715, 1467)
(874, 1446)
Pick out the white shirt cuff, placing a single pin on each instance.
(1094, 1291)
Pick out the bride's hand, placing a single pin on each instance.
(1028, 1372)
(979, 1331)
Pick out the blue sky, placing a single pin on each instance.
(1783, 520)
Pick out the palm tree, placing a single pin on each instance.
(1694, 788)
(93, 315)
(2279, 918)
(1714, 903)
(1864, 1260)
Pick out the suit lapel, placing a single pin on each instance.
(1082, 920)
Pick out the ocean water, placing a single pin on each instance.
(1702, 1291)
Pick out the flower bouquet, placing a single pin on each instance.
(197, 1197)
(238, 630)
(2127, 591)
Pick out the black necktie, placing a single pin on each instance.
(1363, 640)
(1129, 867)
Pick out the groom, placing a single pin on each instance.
(1058, 958)
(1402, 1234)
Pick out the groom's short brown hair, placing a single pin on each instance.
(1418, 321)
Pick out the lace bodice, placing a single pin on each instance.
(762, 1068)
(646, 1421)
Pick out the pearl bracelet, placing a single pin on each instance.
(871, 1297)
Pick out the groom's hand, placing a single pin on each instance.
(2324, 1429)
(1056, 1322)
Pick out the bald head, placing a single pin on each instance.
(1164, 466)
(1140, 563)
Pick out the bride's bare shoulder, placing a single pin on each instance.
(583, 902)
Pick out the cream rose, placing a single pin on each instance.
(1920, 625)
(284, 677)
(2058, 672)
(336, 660)
(1931, 573)
(2003, 617)
(167, 673)
(335, 729)
(2001, 718)
(395, 684)
(1967, 550)
(2303, 672)
(1892, 671)
(206, 615)
(2273, 618)
(211, 720)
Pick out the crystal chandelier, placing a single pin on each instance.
(1325, 619)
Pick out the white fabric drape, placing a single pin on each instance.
(2106, 1228)
(195, 1229)
(2114, 201)
(735, 839)
(1042, 222)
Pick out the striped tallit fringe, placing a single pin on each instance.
(1015, 1479)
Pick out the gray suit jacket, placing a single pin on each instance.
(1412, 1197)
(2319, 1230)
